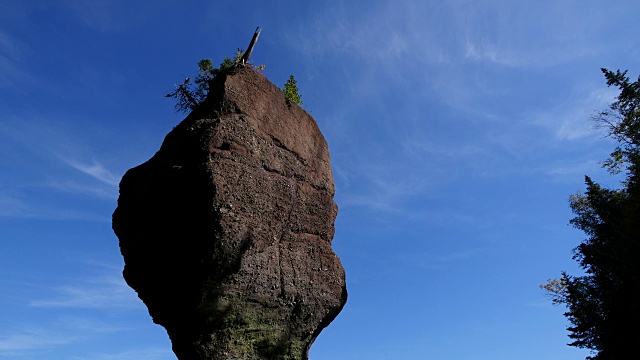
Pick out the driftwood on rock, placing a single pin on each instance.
(254, 39)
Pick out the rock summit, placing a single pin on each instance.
(226, 231)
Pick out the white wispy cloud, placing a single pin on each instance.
(92, 325)
(526, 35)
(441, 261)
(12, 74)
(37, 340)
(110, 15)
(134, 354)
(50, 155)
(14, 204)
(105, 292)
(394, 35)
(9, 47)
(95, 170)
(384, 185)
(95, 14)
(569, 120)
(105, 16)
(414, 45)
(32, 340)
(13, 207)
(107, 191)
(93, 307)
(387, 38)
(571, 170)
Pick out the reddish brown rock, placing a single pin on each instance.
(226, 231)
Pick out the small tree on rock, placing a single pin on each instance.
(189, 95)
(291, 91)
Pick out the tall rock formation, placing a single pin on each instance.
(226, 231)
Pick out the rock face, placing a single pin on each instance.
(226, 231)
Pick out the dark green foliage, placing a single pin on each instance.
(603, 306)
(622, 120)
(291, 91)
(188, 95)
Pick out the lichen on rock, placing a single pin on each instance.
(226, 231)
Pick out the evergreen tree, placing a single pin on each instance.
(291, 91)
(188, 95)
(603, 306)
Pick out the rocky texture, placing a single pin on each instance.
(226, 231)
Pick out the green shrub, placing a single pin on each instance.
(188, 95)
(291, 91)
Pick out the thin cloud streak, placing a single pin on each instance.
(16, 206)
(30, 340)
(9, 48)
(110, 292)
(134, 354)
(53, 155)
(441, 261)
(95, 170)
(569, 120)
(11, 206)
(526, 35)
(107, 192)
(518, 37)
(12, 75)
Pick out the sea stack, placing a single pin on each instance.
(226, 231)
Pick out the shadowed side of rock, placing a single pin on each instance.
(226, 231)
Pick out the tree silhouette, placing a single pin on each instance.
(603, 306)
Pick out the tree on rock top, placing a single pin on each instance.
(188, 95)
(291, 91)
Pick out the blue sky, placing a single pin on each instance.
(457, 131)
